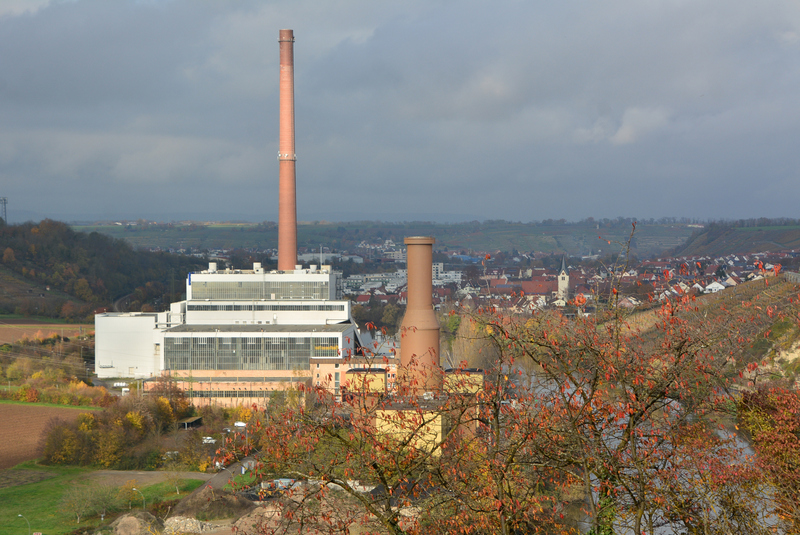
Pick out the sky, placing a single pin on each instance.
(435, 110)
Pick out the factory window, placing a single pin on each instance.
(246, 353)
(326, 347)
(267, 307)
(221, 290)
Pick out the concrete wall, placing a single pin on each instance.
(125, 345)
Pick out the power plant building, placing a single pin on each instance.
(241, 334)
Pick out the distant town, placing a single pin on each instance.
(527, 281)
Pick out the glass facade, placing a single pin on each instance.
(246, 353)
(257, 290)
(241, 393)
(264, 307)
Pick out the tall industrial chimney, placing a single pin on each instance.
(287, 189)
(420, 330)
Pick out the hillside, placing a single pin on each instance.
(48, 269)
(548, 236)
(776, 341)
(720, 239)
(19, 295)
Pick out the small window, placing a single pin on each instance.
(336, 366)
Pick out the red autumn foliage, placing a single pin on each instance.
(610, 413)
(771, 415)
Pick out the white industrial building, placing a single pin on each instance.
(239, 333)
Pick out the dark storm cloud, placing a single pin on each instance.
(468, 109)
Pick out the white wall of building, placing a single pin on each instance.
(128, 344)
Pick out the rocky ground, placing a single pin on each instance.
(225, 514)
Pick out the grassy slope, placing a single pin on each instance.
(770, 341)
(742, 240)
(54, 405)
(14, 288)
(40, 502)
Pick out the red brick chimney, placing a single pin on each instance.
(420, 330)
(287, 190)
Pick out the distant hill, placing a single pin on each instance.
(19, 295)
(87, 271)
(549, 236)
(741, 237)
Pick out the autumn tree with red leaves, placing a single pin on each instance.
(631, 408)
(402, 464)
(619, 417)
(771, 415)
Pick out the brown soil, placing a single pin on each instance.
(11, 332)
(21, 426)
(210, 504)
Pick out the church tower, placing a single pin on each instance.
(563, 280)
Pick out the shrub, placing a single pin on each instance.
(60, 444)
(27, 393)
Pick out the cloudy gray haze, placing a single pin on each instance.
(518, 110)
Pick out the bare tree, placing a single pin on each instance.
(78, 500)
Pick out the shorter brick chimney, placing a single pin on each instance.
(419, 343)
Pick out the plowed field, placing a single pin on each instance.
(20, 429)
(11, 332)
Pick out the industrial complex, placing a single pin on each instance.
(242, 334)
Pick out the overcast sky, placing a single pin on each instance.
(434, 110)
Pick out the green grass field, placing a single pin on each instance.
(34, 319)
(40, 501)
(55, 405)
